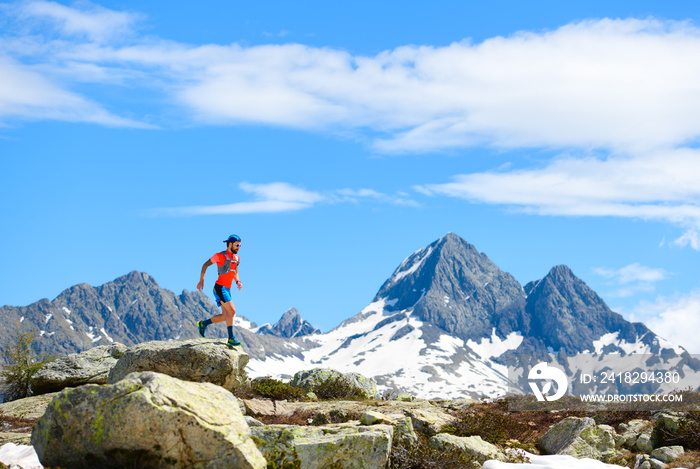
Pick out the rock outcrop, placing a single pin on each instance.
(145, 420)
(472, 446)
(89, 367)
(338, 446)
(199, 360)
(312, 379)
(581, 438)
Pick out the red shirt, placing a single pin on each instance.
(227, 264)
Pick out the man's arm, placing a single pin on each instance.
(200, 285)
(238, 280)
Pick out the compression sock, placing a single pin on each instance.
(206, 322)
(230, 332)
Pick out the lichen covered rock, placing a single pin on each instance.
(89, 367)
(581, 438)
(472, 446)
(146, 420)
(337, 446)
(199, 360)
(310, 380)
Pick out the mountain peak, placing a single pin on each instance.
(453, 286)
(569, 316)
(290, 325)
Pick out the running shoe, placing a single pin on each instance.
(202, 328)
(233, 343)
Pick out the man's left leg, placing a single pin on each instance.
(229, 311)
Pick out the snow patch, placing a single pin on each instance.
(416, 264)
(551, 462)
(48, 318)
(21, 320)
(106, 335)
(66, 310)
(495, 346)
(22, 456)
(93, 337)
(242, 321)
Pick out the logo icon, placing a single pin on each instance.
(542, 372)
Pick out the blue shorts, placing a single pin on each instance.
(221, 294)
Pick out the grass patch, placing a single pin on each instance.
(687, 435)
(494, 423)
(10, 423)
(301, 417)
(269, 388)
(421, 455)
(338, 389)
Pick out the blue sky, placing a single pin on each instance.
(336, 138)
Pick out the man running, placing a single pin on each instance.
(227, 262)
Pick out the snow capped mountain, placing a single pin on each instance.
(290, 325)
(448, 321)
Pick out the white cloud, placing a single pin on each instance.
(28, 95)
(627, 85)
(356, 195)
(95, 22)
(282, 197)
(631, 279)
(632, 273)
(660, 185)
(623, 84)
(272, 198)
(690, 238)
(676, 319)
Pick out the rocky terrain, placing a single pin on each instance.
(190, 404)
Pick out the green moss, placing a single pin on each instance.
(97, 427)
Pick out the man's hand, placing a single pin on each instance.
(200, 285)
(239, 284)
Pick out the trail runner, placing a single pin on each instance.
(227, 263)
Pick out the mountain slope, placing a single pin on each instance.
(131, 309)
(566, 315)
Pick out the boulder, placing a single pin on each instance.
(580, 438)
(336, 446)
(631, 431)
(668, 454)
(644, 443)
(429, 421)
(310, 380)
(197, 360)
(371, 417)
(669, 422)
(91, 366)
(146, 420)
(472, 446)
(267, 407)
(404, 433)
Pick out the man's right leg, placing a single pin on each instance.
(222, 296)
